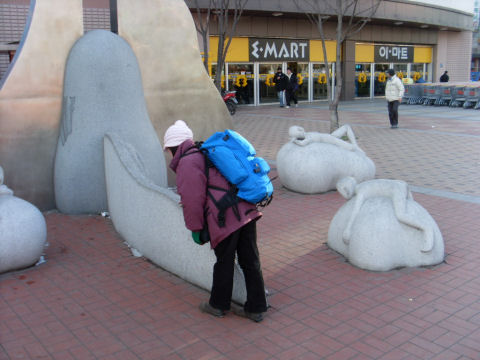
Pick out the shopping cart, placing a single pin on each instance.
(445, 95)
(458, 96)
(472, 95)
(431, 94)
(413, 94)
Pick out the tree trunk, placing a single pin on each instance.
(333, 103)
(205, 53)
(356, 21)
(220, 61)
(333, 107)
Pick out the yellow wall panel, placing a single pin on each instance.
(364, 53)
(237, 52)
(316, 50)
(422, 54)
(212, 53)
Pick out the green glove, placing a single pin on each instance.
(196, 237)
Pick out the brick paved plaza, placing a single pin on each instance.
(93, 300)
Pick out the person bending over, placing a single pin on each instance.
(238, 234)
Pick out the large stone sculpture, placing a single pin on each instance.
(163, 36)
(31, 98)
(150, 219)
(381, 227)
(313, 162)
(23, 231)
(102, 92)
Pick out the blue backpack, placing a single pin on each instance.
(235, 158)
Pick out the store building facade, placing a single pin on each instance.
(417, 39)
(251, 63)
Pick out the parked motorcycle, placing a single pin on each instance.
(230, 100)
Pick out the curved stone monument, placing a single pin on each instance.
(102, 92)
(150, 219)
(163, 36)
(313, 162)
(23, 231)
(31, 98)
(382, 227)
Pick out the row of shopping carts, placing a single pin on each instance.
(466, 95)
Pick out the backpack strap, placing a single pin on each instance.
(229, 199)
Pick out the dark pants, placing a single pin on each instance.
(291, 95)
(243, 92)
(244, 243)
(393, 112)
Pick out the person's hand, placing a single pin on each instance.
(196, 237)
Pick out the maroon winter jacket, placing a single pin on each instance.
(192, 187)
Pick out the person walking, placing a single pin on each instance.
(292, 87)
(238, 234)
(394, 90)
(444, 77)
(281, 81)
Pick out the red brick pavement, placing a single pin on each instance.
(93, 300)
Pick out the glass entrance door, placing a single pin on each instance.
(319, 78)
(301, 69)
(362, 80)
(380, 78)
(302, 72)
(401, 70)
(267, 92)
(240, 78)
(417, 72)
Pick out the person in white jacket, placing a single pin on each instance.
(393, 93)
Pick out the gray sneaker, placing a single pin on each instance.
(209, 309)
(239, 311)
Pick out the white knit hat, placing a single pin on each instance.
(177, 134)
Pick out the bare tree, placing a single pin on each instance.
(202, 28)
(351, 17)
(227, 13)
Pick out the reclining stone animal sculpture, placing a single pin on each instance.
(313, 162)
(381, 227)
(23, 231)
